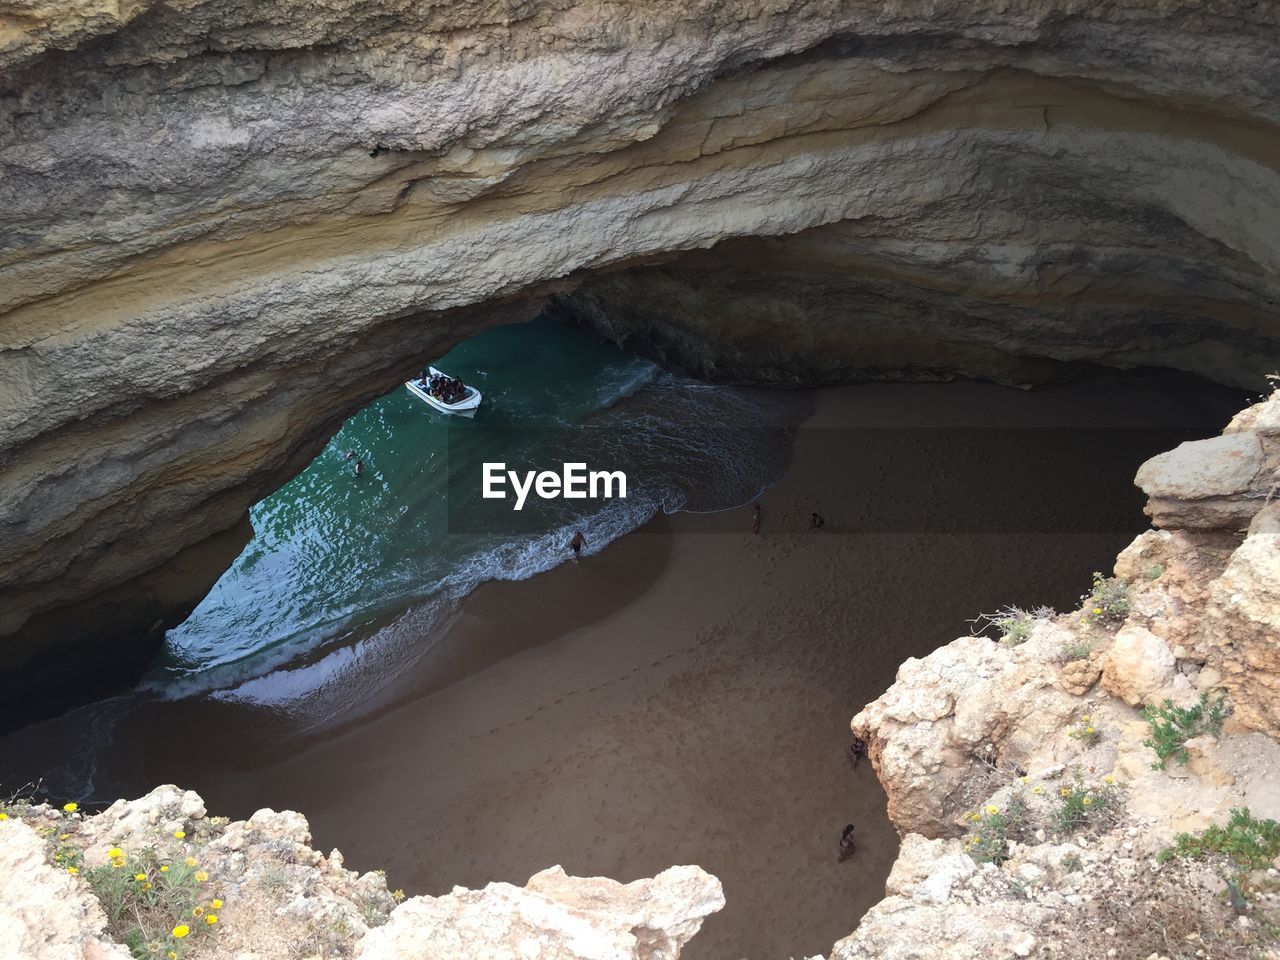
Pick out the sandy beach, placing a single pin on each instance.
(683, 696)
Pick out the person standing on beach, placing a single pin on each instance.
(576, 543)
(847, 846)
(755, 517)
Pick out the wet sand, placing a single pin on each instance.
(683, 696)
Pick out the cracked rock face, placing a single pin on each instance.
(278, 898)
(987, 738)
(227, 226)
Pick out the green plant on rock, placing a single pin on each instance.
(1250, 843)
(156, 905)
(1012, 624)
(1081, 805)
(1085, 731)
(991, 829)
(1173, 726)
(1108, 602)
(1076, 650)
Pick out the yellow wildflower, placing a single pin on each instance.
(173, 955)
(975, 817)
(1089, 730)
(1085, 718)
(211, 919)
(1037, 789)
(1064, 792)
(179, 834)
(146, 886)
(165, 868)
(197, 911)
(216, 904)
(117, 863)
(72, 870)
(201, 876)
(115, 853)
(4, 816)
(180, 931)
(139, 876)
(1108, 779)
(397, 895)
(191, 861)
(1097, 609)
(71, 807)
(992, 809)
(1087, 800)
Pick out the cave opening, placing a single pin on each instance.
(450, 698)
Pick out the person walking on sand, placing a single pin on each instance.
(857, 750)
(755, 517)
(576, 543)
(816, 521)
(846, 843)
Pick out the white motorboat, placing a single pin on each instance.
(421, 388)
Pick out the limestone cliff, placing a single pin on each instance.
(1027, 783)
(226, 226)
(160, 875)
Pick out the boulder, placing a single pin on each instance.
(553, 917)
(1138, 666)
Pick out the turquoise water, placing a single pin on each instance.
(345, 571)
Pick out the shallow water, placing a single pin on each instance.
(334, 554)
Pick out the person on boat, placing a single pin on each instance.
(846, 843)
(576, 543)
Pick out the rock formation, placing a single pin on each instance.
(1022, 775)
(1008, 740)
(273, 897)
(228, 226)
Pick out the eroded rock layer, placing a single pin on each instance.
(174, 879)
(1041, 782)
(227, 226)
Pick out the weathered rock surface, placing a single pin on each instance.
(998, 744)
(277, 898)
(555, 917)
(46, 914)
(1138, 666)
(227, 226)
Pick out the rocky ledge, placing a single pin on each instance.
(1037, 779)
(158, 877)
(226, 226)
